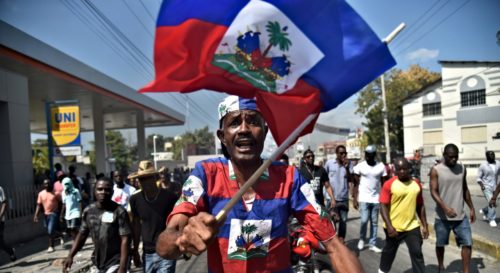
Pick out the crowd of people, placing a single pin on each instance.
(148, 208)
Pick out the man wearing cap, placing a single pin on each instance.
(254, 235)
(149, 208)
(368, 176)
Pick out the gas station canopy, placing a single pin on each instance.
(55, 76)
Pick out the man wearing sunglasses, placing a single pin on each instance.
(317, 177)
(339, 173)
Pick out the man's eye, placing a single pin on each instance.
(234, 123)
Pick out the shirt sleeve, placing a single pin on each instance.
(324, 175)
(84, 227)
(123, 222)
(39, 198)
(385, 192)
(191, 201)
(356, 169)
(78, 196)
(480, 173)
(309, 213)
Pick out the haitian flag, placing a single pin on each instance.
(296, 57)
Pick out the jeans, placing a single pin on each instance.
(413, 240)
(51, 221)
(461, 229)
(489, 212)
(153, 263)
(369, 211)
(342, 210)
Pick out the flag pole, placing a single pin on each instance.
(255, 176)
(387, 142)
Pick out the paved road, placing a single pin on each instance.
(481, 263)
(33, 258)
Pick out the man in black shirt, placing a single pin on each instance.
(317, 177)
(109, 226)
(150, 208)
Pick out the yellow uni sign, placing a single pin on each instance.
(65, 122)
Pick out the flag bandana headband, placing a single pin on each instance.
(235, 103)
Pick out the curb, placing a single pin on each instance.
(479, 243)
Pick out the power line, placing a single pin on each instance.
(74, 8)
(417, 25)
(434, 27)
(147, 11)
(137, 17)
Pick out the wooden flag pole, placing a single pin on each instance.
(251, 181)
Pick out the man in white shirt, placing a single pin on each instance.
(487, 178)
(121, 190)
(368, 176)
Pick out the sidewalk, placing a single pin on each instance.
(33, 257)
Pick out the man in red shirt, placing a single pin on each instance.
(254, 236)
(401, 200)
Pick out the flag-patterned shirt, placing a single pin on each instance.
(254, 240)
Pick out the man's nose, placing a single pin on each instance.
(244, 127)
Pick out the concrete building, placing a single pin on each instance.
(33, 73)
(462, 107)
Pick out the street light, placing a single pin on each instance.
(154, 150)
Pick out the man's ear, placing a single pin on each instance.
(220, 135)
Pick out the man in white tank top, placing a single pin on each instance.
(449, 190)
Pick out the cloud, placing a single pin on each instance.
(422, 54)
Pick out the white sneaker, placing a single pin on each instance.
(361, 244)
(493, 223)
(62, 241)
(380, 271)
(50, 249)
(375, 249)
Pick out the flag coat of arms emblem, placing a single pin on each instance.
(294, 57)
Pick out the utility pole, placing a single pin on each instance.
(387, 40)
(386, 122)
(154, 150)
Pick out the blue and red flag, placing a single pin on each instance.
(296, 57)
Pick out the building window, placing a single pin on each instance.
(432, 109)
(475, 134)
(473, 98)
(433, 137)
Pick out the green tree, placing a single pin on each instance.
(40, 158)
(399, 85)
(119, 150)
(202, 138)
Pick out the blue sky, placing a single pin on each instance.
(436, 30)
